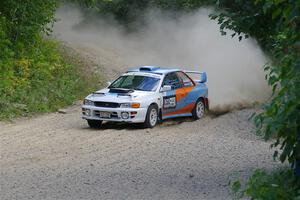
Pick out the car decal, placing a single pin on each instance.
(186, 109)
(185, 90)
(185, 103)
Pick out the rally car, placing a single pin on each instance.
(147, 95)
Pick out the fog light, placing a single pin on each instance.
(88, 112)
(125, 115)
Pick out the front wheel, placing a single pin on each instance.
(199, 109)
(94, 123)
(151, 117)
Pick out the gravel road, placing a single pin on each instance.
(56, 156)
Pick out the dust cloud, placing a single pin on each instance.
(191, 41)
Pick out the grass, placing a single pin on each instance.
(47, 78)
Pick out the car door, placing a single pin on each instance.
(191, 94)
(173, 104)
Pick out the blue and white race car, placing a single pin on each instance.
(146, 95)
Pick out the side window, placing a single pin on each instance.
(172, 80)
(185, 80)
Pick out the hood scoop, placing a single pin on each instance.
(121, 91)
(98, 94)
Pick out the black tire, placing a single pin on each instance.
(150, 122)
(94, 123)
(198, 112)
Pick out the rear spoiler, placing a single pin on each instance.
(203, 76)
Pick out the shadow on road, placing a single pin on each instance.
(139, 126)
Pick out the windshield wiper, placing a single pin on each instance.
(138, 89)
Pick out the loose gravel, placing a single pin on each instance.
(57, 156)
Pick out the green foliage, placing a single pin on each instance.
(276, 25)
(34, 75)
(27, 19)
(40, 81)
(280, 185)
(245, 18)
(178, 5)
(128, 11)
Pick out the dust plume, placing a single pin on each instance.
(191, 41)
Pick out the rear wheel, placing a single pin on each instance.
(151, 117)
(94, 123)
(199, 109)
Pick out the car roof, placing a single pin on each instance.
(154, 70)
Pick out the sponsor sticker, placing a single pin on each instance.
(169, 102)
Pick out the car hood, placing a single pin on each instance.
(118, 97)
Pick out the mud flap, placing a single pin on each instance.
(206, 103)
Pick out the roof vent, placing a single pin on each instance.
(148, 68)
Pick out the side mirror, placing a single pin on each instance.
(203, 77)
(108, 83)
(166, 88)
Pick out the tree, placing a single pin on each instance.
(27, 19)
(128, 11)
(276, 25)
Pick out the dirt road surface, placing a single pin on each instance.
(56, 156)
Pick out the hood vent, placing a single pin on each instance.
(148, 68)
(120, 90)
(98, 94)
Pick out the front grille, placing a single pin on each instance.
(106, 104)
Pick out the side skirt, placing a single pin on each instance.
(177, 115)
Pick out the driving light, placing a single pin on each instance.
(125, 115)
(88, 112)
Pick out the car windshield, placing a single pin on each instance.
(144, 83)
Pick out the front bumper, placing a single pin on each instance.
(136, 115)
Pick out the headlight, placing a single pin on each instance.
(125, 105)
(130, 105)
(88, 102)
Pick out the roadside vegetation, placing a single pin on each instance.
(278, 184)
(276, 26)
(37, 74)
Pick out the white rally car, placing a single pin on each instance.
(146, 95)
